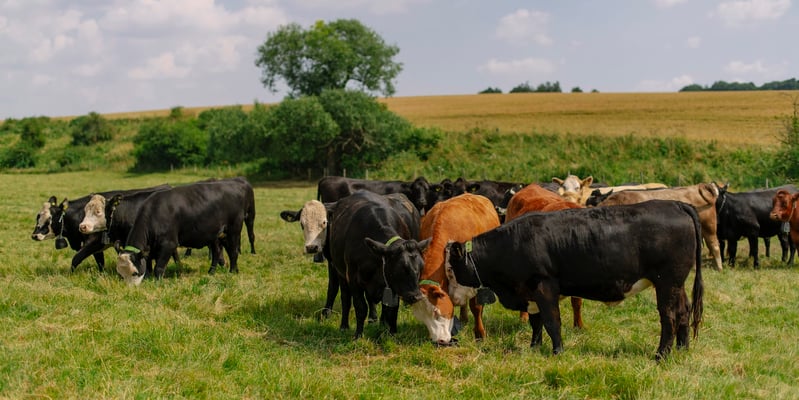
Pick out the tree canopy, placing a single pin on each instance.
(328, 56)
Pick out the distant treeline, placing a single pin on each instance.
(789, 84)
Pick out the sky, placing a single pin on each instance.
(69, 58)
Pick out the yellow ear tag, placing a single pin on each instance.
(468, 246)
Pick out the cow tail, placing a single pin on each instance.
(697, 304)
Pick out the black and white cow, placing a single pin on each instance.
(62, 221)
(603, 254)
(746, 215)
(371, 243)
(203, 214)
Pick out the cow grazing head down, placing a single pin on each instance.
(437, 313)
(783, 206)
(131, 264)
(313, 221)
(402, 265)
(94, 215)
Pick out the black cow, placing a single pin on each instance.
(746, 215)
(604, 254)
(333, 188)
(371, 245)
(197, 215)
(62, 221)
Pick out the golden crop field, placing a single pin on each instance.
(749, 117)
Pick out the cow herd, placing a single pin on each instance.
(437, 246)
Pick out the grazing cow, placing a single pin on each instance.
(62, 221)
(333, 188)
(702, 196)
(783, 210)
(371, 245)
(535, 198)
(747, 214)
(603, 254)
(197, 215)
(459, 218)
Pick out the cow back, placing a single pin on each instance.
(535, 198)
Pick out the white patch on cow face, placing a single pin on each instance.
(94, 219)
(44, 218)
(313, 219)
(439, 326)
(128, 271)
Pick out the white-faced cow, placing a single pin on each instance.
(206, 214)
(61, 221)
(372, 246)
(604, 254)
(459, 218)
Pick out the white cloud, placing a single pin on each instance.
(740, 67)
(41, 79)
(668, 3)
(379, 7)
(528, 65)
(693, 42)
(740, 12)
(160, 67)
(672, 85)
(524, 27)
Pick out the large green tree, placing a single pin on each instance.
(328, 56)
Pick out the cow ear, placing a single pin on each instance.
(422, 246)
(290, 216)
(557, 180)
(64, 204)
(378, 248)
(115, 200)
(587, 181)
(117, 247)
(53, 201)
(456, 250)
(794, 197)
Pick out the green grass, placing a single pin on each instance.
(256, 334)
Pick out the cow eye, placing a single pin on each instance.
(324, 224)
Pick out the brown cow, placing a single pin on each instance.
(702, 196)
(535, 198)
(783, 208)
(459, 219)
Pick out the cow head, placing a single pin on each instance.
(416, 192)
(131, 264)
(597, 197)
(313, 221)
(438, 192)
(783, 206)
(94, 219)
(50, 220)
(461, 272)
(502, 209)
(402, 265)
(571, 187)
(436, 312)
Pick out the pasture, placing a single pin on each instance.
(256, 334)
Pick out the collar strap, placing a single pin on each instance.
(131, 249)
(429, 282)
(392, 240)
(468, 246)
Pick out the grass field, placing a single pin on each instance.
(256, 334)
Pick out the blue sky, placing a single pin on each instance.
(74, 57)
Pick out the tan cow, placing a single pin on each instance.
(459, 218)
(702, 196)
(588, 192)
(571, 188)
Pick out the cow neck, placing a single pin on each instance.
(383, 258)
(723, 202)
(470, 260)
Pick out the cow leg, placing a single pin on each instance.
(92, 246)
(577, 307)
(753, 251)
(361, 310)
(683, 320)
(538, 328)
(792, 248)
(547, 297)
(722, 245)
(524, 316)
(668, 305)
(388, 316)
(477, 311)
(767, 246)
(216, 256)
(373, 313)
(464, 314)
(233, 248)
(712, 242)
(332, 291)
(787, 247)
(346, 305)
(732, 252)
(160, 263)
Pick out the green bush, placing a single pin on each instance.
(228, 134)
(22, 155)
(32, 131)
(90, 129)
(301, 132)
(164, 144)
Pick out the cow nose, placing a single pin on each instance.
(83, 228)
(311, 248)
